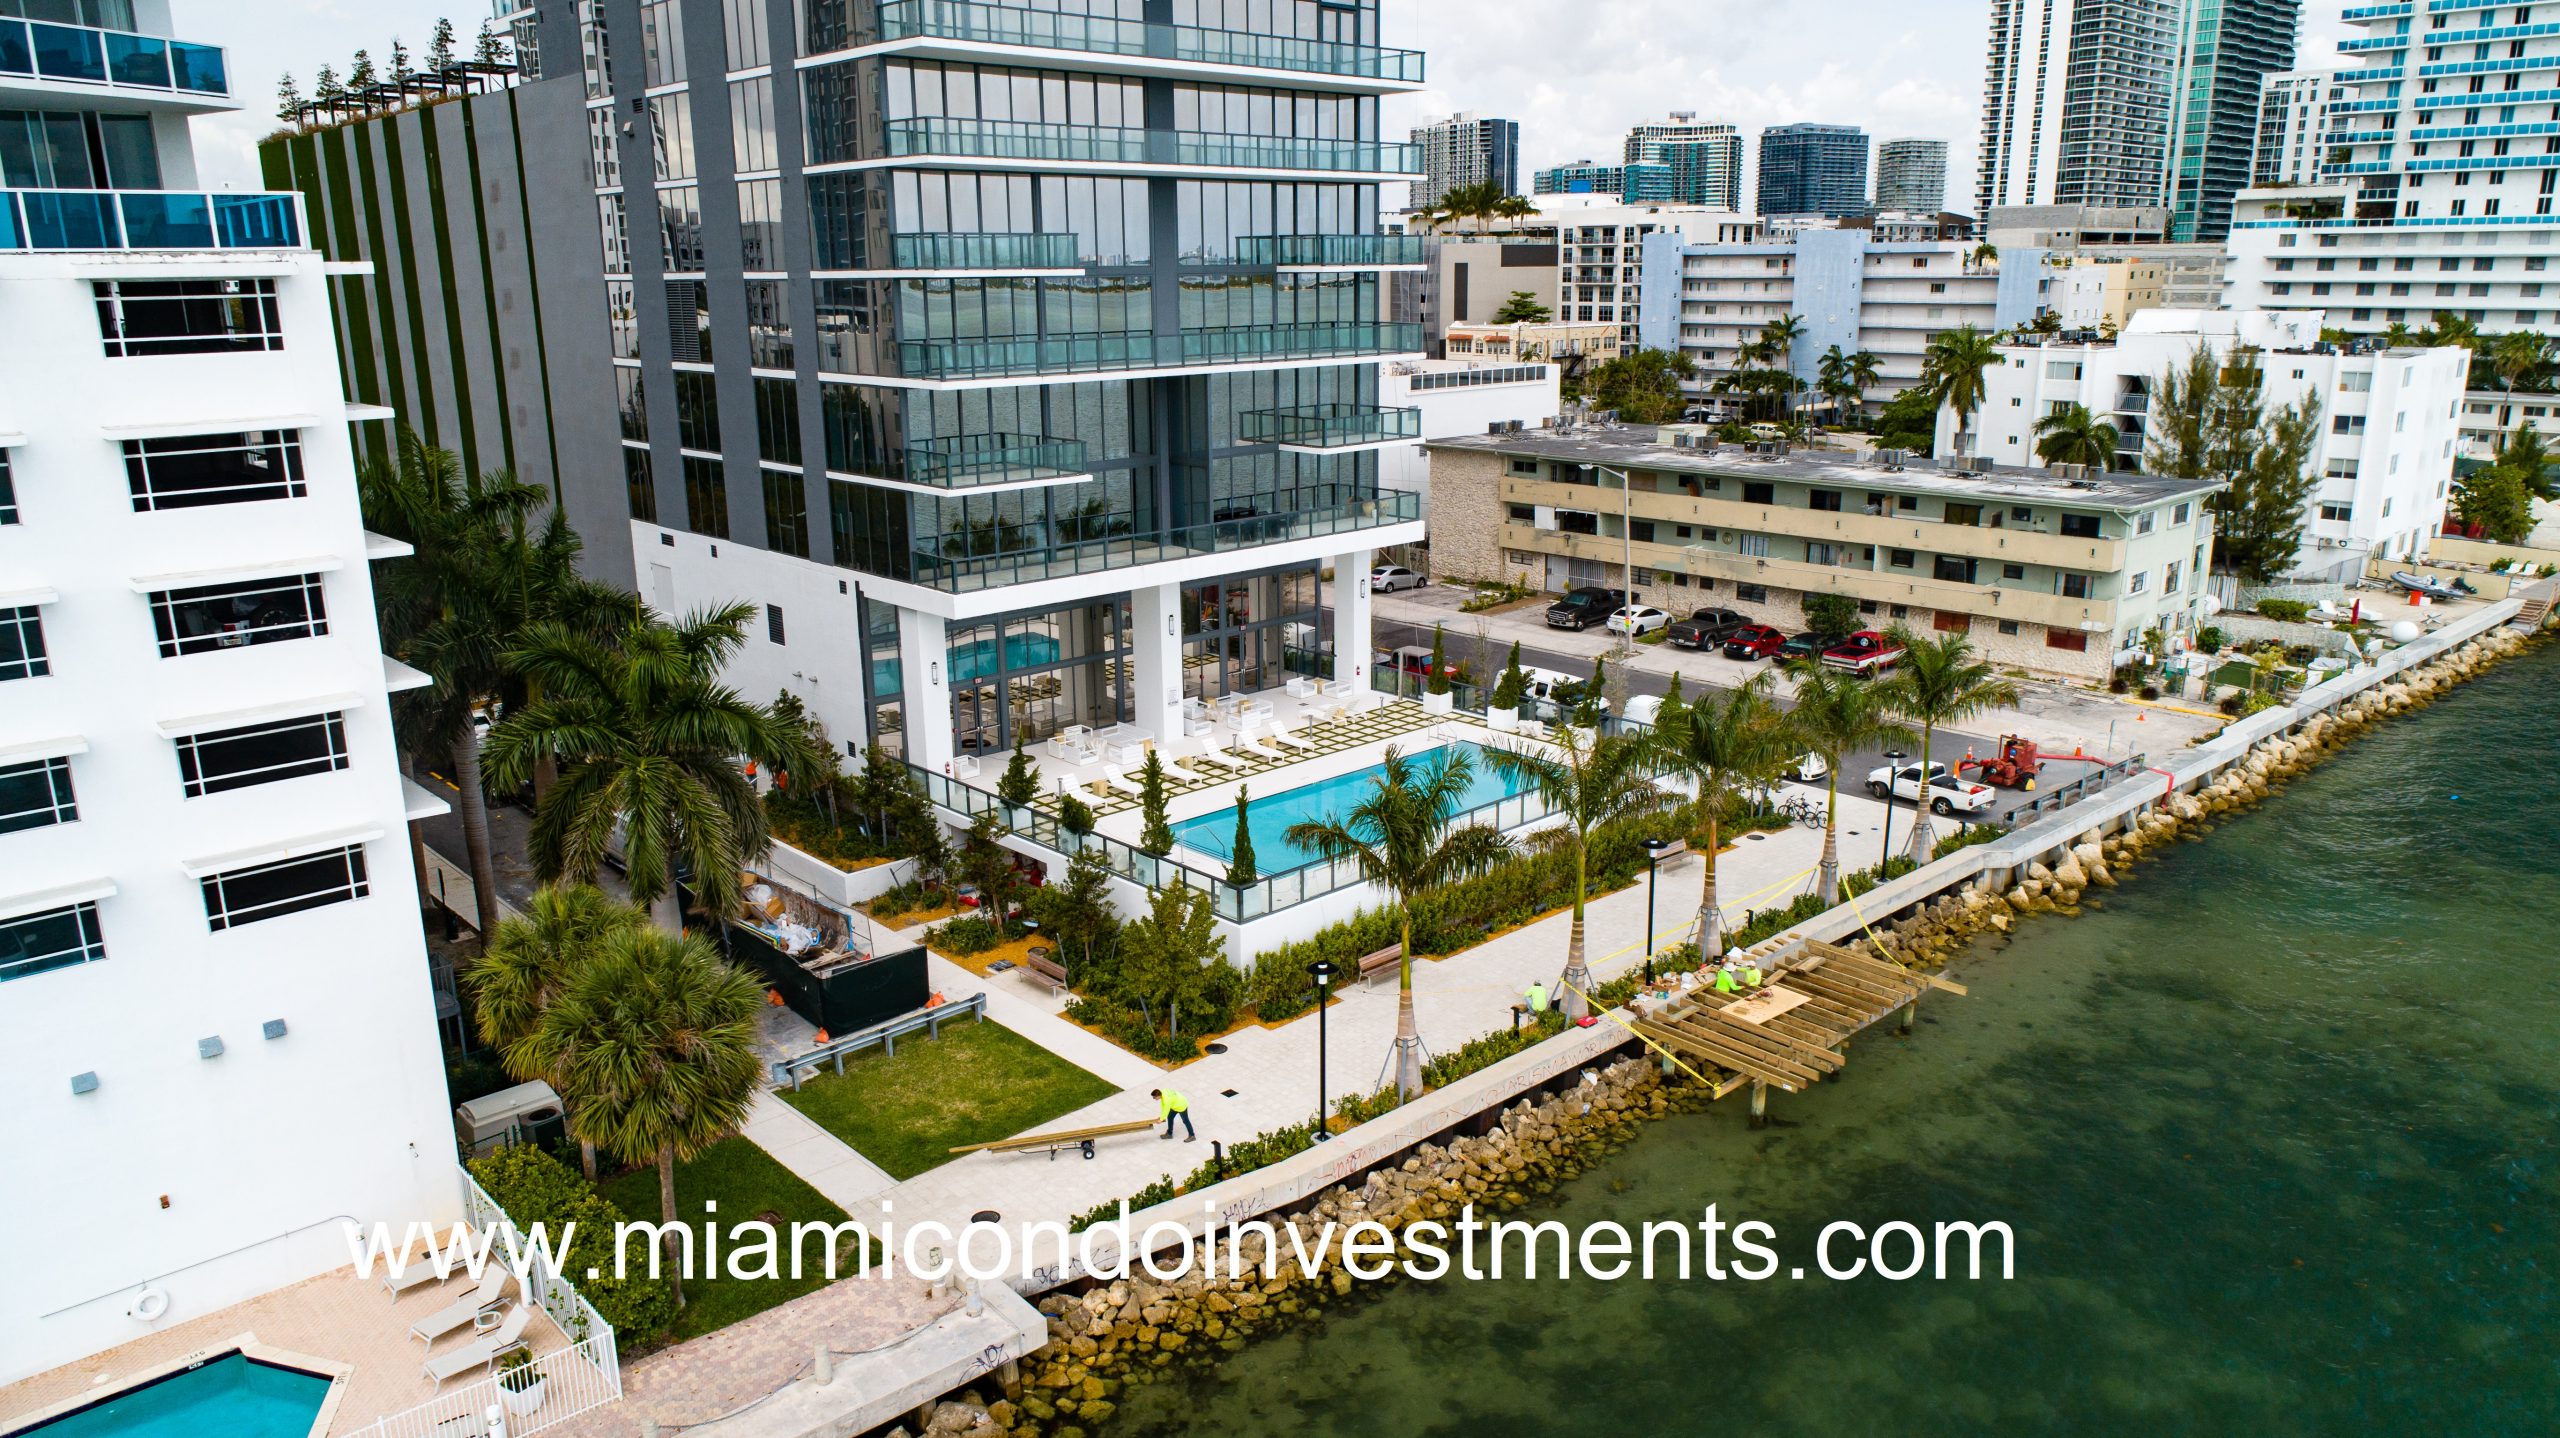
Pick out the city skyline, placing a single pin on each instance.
(1539, 65)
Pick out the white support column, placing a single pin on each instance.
(924, 662)
(1353, 644)
(1155, 644)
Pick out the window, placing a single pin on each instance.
(1755, 546)
(220, 760)
(2346, 424)
(22, 645)
(773, 623)
(697, 411)
(54, 939)
(2138, 582)
(207, 617)
(749, 42)
(786, 519)
(36, 795)
(2172, 577)
(2335, 511)
(2080, 526)
(1528, 467)
(1948, 621)
(2009, 626)
(187, 317)
(2075, 586)
(1524, 513)
(8, 492)
(1900, 558)
(200, 469)
(2013, 571)
(1826, 500)
(2071, 639)
(778, 419)
(2021, 514)
(1751, 594)
(271, 891)
(769, 324)
(2181, 514)
(1952, 569)
(706, 497)
(640, 490)
(1758, 492)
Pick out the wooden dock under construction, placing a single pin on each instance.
(1792, 1030)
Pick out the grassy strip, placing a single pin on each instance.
(978, 1082)
(748, 1184)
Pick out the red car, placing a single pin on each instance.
(1863, 653)
(1755, 641)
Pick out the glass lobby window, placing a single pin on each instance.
(205, 618)
(769, 324)
(200, 469)
(158, 317)
(1026, 676)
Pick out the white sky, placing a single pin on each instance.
(1574, 73)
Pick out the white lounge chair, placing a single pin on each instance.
(1112, 776)
(1173, 770)
(460, 1312)
(480, 1352)
(1253, 744)
(1286, 735)
(413, 1275)
(1210, 751)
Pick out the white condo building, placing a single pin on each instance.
(2388, 417)
(2293, 127)
(2437, 187)
(220, 1034)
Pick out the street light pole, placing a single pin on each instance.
(1652, 880)
(1892, 771)
(1627, 534)
(1323, 972)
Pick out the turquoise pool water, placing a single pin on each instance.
(1269, 816)
(234, 1397)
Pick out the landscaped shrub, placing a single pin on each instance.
(915, 896)
(2231, 702)
(2150, 691)
(964, 936)
(1964, 838)
(2290, 611)
(2209, 639)
(1129, 1028)
(535, 1188)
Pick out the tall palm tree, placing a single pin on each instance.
(528, 963)
(1836, 714)
(1954, 368)
(656, 1043)
(1781, 335)
(1400, 840)
(2453, 329)
(2071, 435)
(1591, 779)
(648, 742)
(2525, 455)
(1940, 681)
(1831, 376)
(2518, 355)
(1728, 745)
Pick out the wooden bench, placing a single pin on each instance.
(1673, 852)
(1384, 961)
(1044, 966)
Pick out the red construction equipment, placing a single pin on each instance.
(2014, 767)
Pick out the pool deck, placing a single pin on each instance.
(333, 1316)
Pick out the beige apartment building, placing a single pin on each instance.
(2054, 571)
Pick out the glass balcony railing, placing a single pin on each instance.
(983, 252)
(1103, 35)
(1120, 145)
(83, 54)
(1140, 349)
(967, 460)
(1329, 426)
(1307, 512)
(148, 220)
(1343, 251)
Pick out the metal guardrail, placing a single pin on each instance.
(2078, 789)
(792, 1070)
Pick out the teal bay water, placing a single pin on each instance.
(2276, 1131)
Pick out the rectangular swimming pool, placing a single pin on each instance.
(1268, 817)
(234, 1396)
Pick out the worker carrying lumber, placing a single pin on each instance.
(1171, 1106)
(1537, 998)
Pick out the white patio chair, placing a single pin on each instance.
(1210, 751)
(1112, 776)
(1286, 735)
(480, 1352)
(460, 1312)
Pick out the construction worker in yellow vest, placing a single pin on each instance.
(1537, 998)
(1171, 1106)
(1724, 980)
(1751, 974)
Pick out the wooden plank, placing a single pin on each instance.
(1815, 1056)
(1765, 1005)
(1937, 981)
(1766, 1051)
(1064, 1136)
(1742, 1058)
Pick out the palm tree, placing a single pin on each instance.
(2454, 329)
(655, 1043)
(2518, 355)
(1400, 840)
(1780, 335)
(1836, 714)
(1940, 680)
(528, 963)
(2071, 435)
(1831, 376)
(1953, 371)
(2525, 455)
(1727, 745)
(647, 740)
(1591, 779)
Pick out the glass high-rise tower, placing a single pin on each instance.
(2226, 51)
(1813, 170)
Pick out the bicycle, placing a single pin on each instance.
(1805, 811)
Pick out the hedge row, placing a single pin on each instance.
(535, 1188)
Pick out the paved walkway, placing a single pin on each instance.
(1267, 1076)
(819, 1157)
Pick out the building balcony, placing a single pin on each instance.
(1331, 252)
(1115, 147)
(972, 23)
(979, 461)
(128, 64)
(1144, 350)
(1330, 426)
(148, 220)
(984, 253)
(1025, 554)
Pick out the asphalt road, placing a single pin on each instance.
(1488, 660)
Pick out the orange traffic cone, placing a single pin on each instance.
(822, 1038)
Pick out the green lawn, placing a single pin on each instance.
(979, 1081)
(747, 1184)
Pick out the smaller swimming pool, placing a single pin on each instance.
(1269, 817)
(234, 1396)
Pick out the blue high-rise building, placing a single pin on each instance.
(1813, 170)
